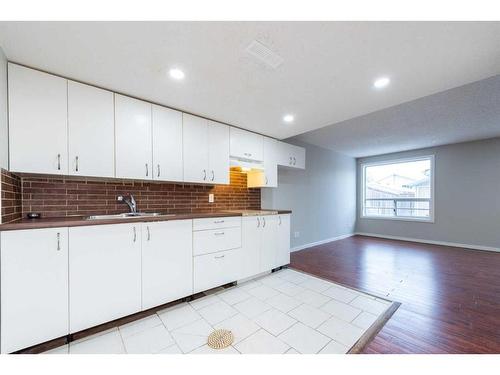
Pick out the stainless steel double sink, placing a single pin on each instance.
(128, 215)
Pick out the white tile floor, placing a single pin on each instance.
(284, 312)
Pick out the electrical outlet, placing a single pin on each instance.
(296, 234)
(211, 198)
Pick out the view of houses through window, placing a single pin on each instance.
(400, 189)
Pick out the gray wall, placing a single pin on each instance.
(322, 197)
(467, 196)
(4, 156)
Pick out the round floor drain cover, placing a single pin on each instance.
(220, 339)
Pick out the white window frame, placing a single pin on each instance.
(363, 167)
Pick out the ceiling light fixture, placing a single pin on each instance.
(288, 118)
(176, 73)
(381, 82)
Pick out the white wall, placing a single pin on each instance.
(4, 155)
(322, 197)
(467, 197)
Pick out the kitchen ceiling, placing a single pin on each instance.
(325, 77)
(465, 113)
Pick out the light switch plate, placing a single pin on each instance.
(296, 234)
(211, 198)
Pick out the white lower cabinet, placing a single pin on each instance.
(265, 243)
(167, 256)
(104, 273)
(216, 269)
(269, 248)
(251, 243)
(34, 287)
(210, 241)
(58, 281)
(283, 242)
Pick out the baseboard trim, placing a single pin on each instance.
(311, 244)
(431, 242)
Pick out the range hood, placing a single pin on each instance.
(246, 165)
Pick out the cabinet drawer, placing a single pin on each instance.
(212, 270)
(211, 241)
(217, 223)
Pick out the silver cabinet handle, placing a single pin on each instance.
(218, 221)
(149, 233)
(147, 170)
(76, 166)
(247, 154)
(258, 222)
(58, 241)
(218, 233)
(204, 174)
(219, 257)
(135, 235)
(279, 217)
(267, 180)
(58, 162)
(294, 161)
(213, 175)
(264, 222)
(290, 162)
(158, 170)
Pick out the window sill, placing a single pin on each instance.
(413, 219)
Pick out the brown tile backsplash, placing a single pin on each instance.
(11, 196)
(65, 196)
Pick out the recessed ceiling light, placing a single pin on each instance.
(176, 73)
(288, 118)
(381, 82)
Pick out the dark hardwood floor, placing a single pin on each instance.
(450, 296)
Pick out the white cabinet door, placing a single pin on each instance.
(250, 246)
(291, 156)
(133, 138)
(283, 238)
(270, 162)
(218, 153)
(246, 145)
(167, 262)
(38, 119)
(269, 242)
(167, 144)
(104, 273)
(91, 131)
(195, 147)
(212, 270)
(299, 156)
(34, 287)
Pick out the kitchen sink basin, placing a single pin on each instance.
(128, 215)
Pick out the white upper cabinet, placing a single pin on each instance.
(270, 162)
(291, 155)
(268, 177)
(218, 153)
(195, 146)
(246, 145)
(133, 138)
(91, 131)
(167, 144)
(38, 120)
(34, 287)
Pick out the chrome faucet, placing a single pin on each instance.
(130, 202)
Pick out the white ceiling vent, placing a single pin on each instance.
(264, 54)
